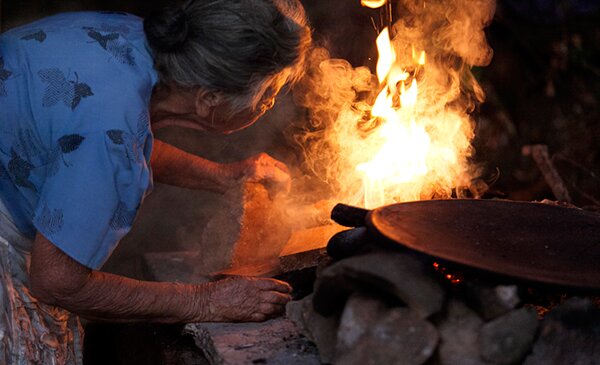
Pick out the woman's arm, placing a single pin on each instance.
(58, 280)
(173, 166)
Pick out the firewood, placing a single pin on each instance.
(349, 216)
(540, 155)
(349, 243)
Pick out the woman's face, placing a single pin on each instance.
(244, 118)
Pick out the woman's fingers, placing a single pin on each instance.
(275, 285)
(270, 309)
(275, 297)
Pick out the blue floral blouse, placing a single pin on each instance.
(75, 139)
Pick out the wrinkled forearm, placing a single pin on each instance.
(115, 298)
(173, 166)
(57, 279)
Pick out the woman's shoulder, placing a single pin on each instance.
(110, 20)
(99, 40)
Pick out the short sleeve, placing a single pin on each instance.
(93, 190)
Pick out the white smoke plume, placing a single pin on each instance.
(339, 97)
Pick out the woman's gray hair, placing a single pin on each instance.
(237, 47)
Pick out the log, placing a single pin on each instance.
(349, 216)
(540, 155)
(349, 243)
(277, 341)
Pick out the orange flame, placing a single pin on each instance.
(417, 144)
(373, 3)
(412, 139)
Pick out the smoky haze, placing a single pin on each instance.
(339, 97)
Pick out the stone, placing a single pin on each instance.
(569, 334)
(492, 301)
(400, 276)
(507, 339)
(277, 342)
(359, 314)
(252, 229)
(459, 333)
(321, 330)
(399, 337)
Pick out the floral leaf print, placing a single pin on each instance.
(28, 144)
(81, 91)
(102, 39)
(59, 88)
(122, 52)
(116, 136)
(53, 162)
(143, 126)
(39, 36)
(3, 173)
(70, 142)
(117, 47)
(66, 145)
(130, 143)
(50, 220)
(122, 217)
(20, 169)
(4, 75)
(114, 28)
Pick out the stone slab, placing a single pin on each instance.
(274, 342)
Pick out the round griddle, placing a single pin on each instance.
(532, 241)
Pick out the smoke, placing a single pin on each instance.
(339, 98)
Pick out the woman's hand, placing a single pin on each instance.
(262, 168)
(243, 299)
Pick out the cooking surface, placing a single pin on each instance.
(533, 241)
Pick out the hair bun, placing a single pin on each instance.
(167, 31)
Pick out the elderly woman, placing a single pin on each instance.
(79, 95)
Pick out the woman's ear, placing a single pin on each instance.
(206, 101)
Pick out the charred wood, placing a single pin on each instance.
(349, 216)
(349, 243)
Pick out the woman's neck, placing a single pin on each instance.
(173, 106)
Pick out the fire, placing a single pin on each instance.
(411, 145)
(405, 134)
